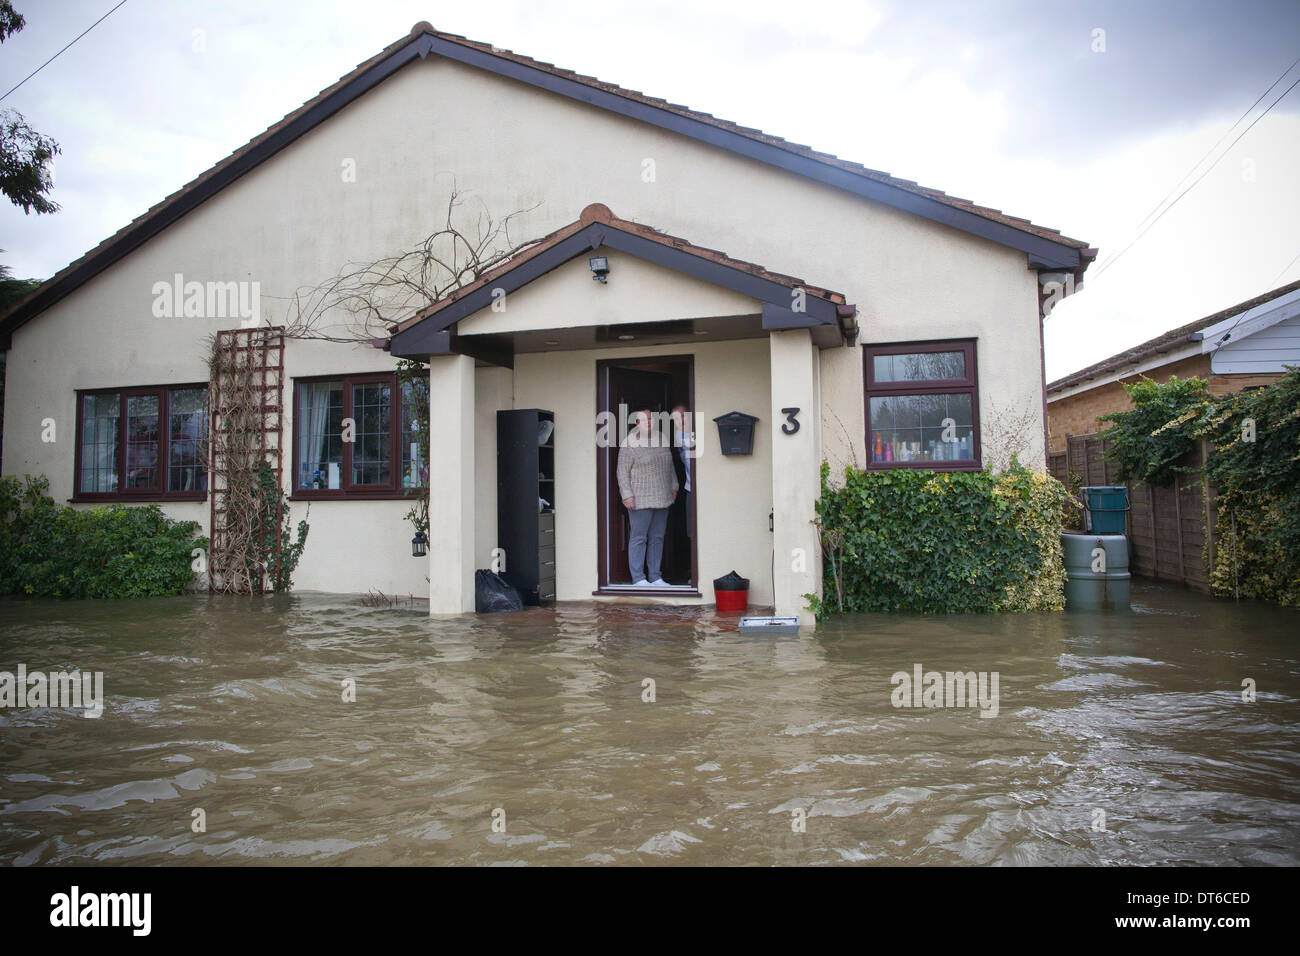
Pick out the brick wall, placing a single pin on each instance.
(1077, 415)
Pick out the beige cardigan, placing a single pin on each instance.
(646, 475)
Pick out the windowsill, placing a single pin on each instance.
(115, 499)
(340, 495)
(924, 465)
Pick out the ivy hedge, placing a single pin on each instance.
(941, 542)
(1248, 446)
(116, 551)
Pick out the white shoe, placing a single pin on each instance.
(641, 584)
(660, 583)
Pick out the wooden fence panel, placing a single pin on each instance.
(1058, 468)
(1168, 528)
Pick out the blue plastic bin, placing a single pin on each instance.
(1104, 508)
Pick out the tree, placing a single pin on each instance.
(24, 153)
(11, 289)
(11, 21)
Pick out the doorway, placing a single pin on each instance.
(622, 387)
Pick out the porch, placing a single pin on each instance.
(668, 324)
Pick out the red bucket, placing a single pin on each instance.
(731, 600)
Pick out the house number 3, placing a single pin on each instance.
(791, 424)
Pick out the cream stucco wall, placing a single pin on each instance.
(295, 221)
(635, 291)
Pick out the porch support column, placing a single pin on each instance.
(796, 473)
(451, 484)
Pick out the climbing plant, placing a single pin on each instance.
(254, 550)
(1254, 464)
(413, 380)
(1149, 441)
(1247, 445)
(274, 559)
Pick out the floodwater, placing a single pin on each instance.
(1118, 738)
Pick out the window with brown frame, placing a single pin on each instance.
(138, 444)
(922, 405)
(382, 459)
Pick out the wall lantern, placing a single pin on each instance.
(736, 433)
(599, 267)
(419, 545)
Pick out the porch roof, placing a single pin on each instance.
(825, 313)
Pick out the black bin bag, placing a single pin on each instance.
(731, 581)
(492, 594)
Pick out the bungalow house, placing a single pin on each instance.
(915, 340)
(1243, 346)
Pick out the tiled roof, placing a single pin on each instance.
(995, 215)
(1165, 342)
(158, 216)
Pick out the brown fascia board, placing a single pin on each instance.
(1045, 248)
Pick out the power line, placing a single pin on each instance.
(1228, 133)
(1228, 334)
(1106, 265)
(1284, 269)
(57, 55)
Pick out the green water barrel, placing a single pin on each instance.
(1096, 590)
(1104, 508)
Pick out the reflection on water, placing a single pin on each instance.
(236, 707)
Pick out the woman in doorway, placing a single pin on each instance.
(647, 482)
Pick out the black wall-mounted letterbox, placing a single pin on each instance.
(736, 433)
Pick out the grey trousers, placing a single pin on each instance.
(645, 549)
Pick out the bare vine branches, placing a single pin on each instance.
(365, 300)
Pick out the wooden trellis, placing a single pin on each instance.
(247, 388)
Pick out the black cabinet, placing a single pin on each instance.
(526, 501)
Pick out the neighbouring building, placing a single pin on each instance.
(889, 325)
(1249, 344)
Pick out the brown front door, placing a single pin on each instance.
(623, 386)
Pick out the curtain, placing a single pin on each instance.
(313, 413)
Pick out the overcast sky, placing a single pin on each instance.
(1005, 103)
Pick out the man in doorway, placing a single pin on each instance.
(648, 484)
(684, 442)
